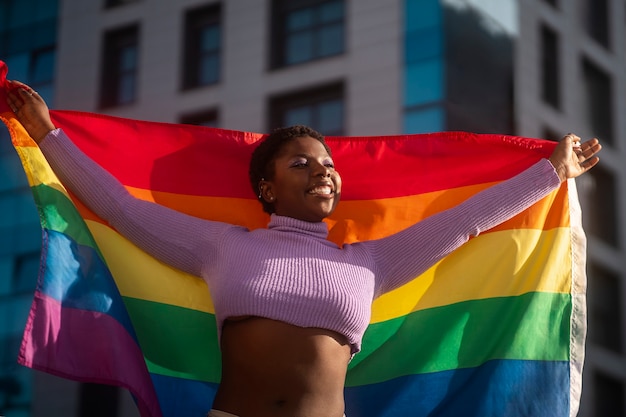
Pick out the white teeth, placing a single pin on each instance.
(324, 190)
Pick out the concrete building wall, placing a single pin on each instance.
(535, 118)
(370, 67)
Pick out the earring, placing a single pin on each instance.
(261, 189)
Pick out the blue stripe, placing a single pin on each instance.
(495, 389)
(76, 276)
(183, 397)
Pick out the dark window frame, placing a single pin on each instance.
(116, 41)
(550, 67)
(197, 20)
(280, 104)
(280, 9)
(596, 19)
(599, 97)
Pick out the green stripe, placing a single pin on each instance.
(58, 213)
(534, 326)
(176, 341)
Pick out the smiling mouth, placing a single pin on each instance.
(324, 190)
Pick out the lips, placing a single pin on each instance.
(324, 190)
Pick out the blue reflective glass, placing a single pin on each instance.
(43, 67)
(424, 83)
(424, 120)
(43, 34)
(423, 44)
(299, 116)
(11, 172)
(331, 117)
(299, 20)
(26, 272)
(332, 11)
(18, 65)
(126, 88)
(128, 58)
(20, 13)
(299, 48)
(209, 69)
(46, 91)
(210, 38)
(330, 40)
(420, 14)
(46, 9)
(4, 16)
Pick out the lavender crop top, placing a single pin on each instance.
(290, 271)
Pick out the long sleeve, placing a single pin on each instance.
(408, 253)
(180, 240)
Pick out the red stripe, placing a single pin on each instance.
(177, 158)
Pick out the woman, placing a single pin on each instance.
(291, 312)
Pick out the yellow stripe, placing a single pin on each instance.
(138, 275)
(528, 260)
(37, 169)
(525, 260)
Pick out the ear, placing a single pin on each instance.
(266, 191)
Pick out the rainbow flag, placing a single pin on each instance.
(495, 329)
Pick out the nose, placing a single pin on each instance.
(320, 170)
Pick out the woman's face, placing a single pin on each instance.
(305, 184)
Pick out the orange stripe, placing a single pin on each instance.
(353, 219)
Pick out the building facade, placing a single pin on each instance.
(536, 68)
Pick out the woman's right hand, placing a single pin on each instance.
(572, 158)
(30, 109)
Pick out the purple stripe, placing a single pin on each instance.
(86, 346)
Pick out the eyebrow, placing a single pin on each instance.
(306, 155)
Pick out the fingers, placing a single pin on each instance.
(575, 140)
(20, 95)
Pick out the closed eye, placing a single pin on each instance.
(299, 163)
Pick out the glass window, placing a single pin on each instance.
(121, 66)
(424, 120)
(595, 17)
(203, 33)
(42, 73)
(26, 272)
(322, 108)
(605, 327)
(598, 101)
(305, 30)
(550, 90)
(15, 380)
(424, 82)
(600, 217)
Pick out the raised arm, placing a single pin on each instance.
(407, 254)
(182, 241)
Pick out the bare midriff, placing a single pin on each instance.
(274, 369)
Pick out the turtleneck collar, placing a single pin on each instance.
(289, 224)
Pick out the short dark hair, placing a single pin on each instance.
(263, 156)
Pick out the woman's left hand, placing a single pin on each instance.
(572, 158)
